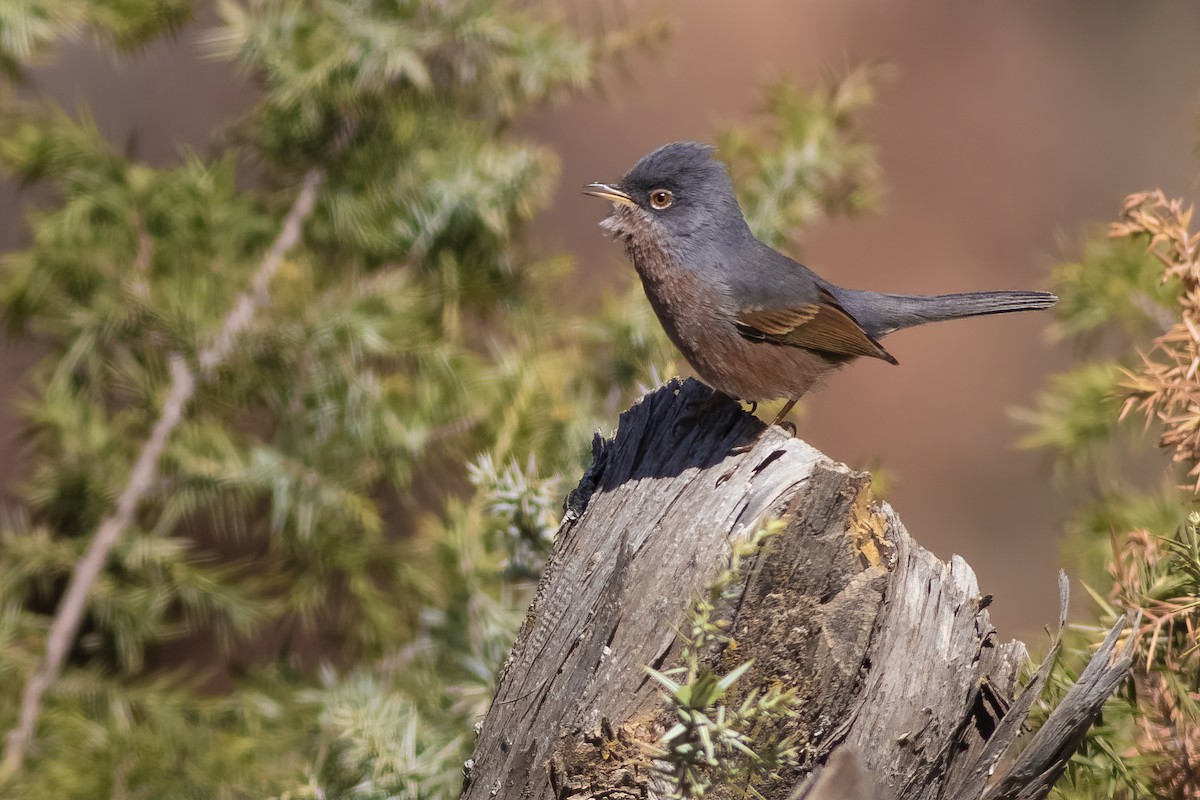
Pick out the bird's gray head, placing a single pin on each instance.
(673, 194)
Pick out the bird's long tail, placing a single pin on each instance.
(881, 314)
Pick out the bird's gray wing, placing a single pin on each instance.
(818, 324)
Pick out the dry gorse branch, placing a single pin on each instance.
(1161, 575)
(1146, 572)
(1166, 388)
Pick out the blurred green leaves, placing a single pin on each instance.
(29, 28)
(811, 160)
(1116, 284)
(1077, 413)
(315, 597)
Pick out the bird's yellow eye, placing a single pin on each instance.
(660, 199)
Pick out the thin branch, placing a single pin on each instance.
(65, 626)
(242, 313)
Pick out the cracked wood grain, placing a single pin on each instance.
(890, 651)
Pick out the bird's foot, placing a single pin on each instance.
(781, 417)
(779, 420)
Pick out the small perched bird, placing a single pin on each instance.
(753, 323)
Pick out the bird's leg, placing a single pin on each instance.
(783, 412)
(779, 420)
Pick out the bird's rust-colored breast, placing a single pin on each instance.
(692, 312)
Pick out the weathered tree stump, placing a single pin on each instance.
(889, 649)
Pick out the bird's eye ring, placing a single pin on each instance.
(661, 199)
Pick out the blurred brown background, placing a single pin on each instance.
(1005, 128)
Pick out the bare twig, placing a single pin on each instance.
(242, 313)
(142, 259)
(65, 626)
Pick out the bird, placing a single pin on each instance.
(753, 323)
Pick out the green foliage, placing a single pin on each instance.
(1077, 414)
(1089, 541)
(26, 26)
(379, 745)
(1113, 301)
(30, 27)
(714, 744)
(1115, 292)
(524, 509)
(1115, 283)
(1108, 764)
(315, 596)
(811, 161)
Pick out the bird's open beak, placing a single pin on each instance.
(610, 193)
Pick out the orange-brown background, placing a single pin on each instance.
(1007, 126)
